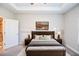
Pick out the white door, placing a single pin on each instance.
(11, 33)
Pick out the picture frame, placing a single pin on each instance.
(42, 25)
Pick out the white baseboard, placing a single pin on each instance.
(75, 51)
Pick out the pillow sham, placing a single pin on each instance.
(42, 37)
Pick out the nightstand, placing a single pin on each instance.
(27, 41)
(59, 40)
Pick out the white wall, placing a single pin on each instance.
(71, 29)
(6, 13)
(11, 33)
(27, 22)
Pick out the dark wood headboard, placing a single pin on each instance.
(52, 33)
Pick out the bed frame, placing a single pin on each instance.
(37, 52)
(40, 52)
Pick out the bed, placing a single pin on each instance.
(43, 46)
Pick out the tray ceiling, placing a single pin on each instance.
(39, 7)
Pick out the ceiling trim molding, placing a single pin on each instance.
(63, 8)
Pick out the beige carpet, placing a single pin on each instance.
(13, 51)
(17, 51)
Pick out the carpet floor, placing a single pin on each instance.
(13, 51)
(17, 51)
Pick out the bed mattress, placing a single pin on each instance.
(51, 42)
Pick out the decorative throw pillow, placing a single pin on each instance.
(37, 37)
(41, 38)
(47, 37)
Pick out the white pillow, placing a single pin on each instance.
(40, 37)
(37, 37)
(47, 37)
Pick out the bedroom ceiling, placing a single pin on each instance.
(39, 7)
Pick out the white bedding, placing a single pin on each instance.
(44, 40)
(51, 42)
(46, 48)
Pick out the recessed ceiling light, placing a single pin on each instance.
(32, 3)
(45, 3)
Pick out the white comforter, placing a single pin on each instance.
(46, 48)
(43, 40)
(50, 42)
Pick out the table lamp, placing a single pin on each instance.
(59, 35)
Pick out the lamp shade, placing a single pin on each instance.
(59, 33)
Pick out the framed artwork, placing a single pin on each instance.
(42, 25)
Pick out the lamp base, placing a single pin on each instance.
(58, 36)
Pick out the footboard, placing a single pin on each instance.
(45, 51)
